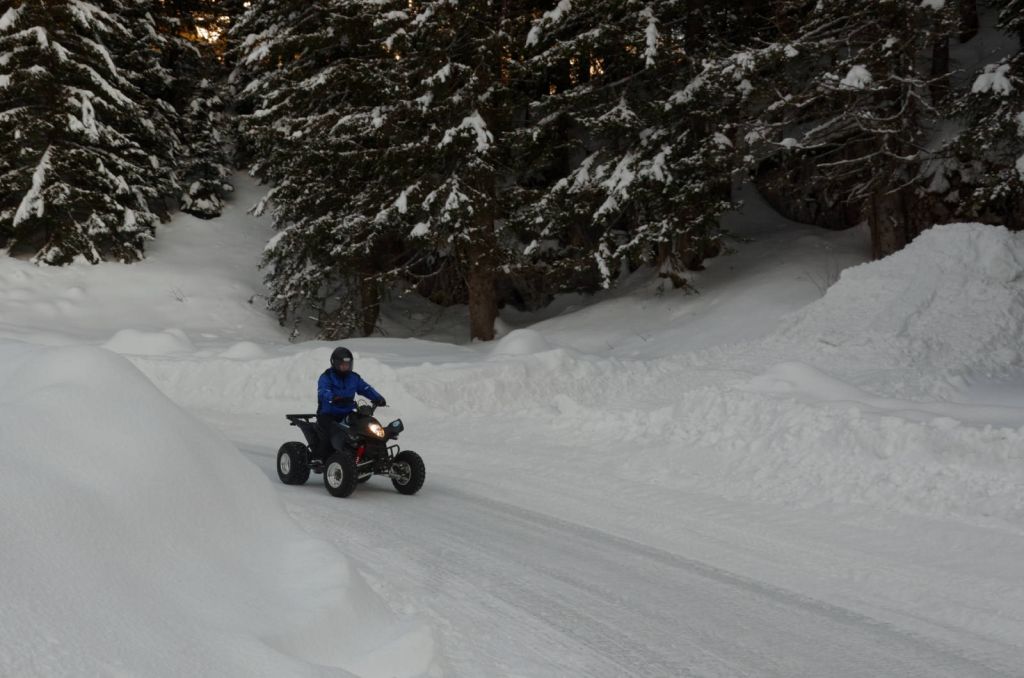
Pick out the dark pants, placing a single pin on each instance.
(330, 431)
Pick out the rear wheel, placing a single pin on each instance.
(292, 468)
(340, 474)
(408, 472)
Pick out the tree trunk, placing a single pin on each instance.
(888, 224)
(369, 293)
(940, 70)
(968, 19)
(480, 278)
(666, 260)
(483, 299)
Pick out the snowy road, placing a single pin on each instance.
(532, 595)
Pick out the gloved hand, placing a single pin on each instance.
(342, 400)
(380, 402)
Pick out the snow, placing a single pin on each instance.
(441, 75)
(858, 77)
(244, 350)
(100, 49)
(89, 120)
(686, 94)
(651, 35)
(994, 79)
(937, 5)
(134, 342)
(618, 184)
(41, 37)
(521, 342)
(814, 454)
(111, 91)
(1020, 167)
(32, 203)
(552, 16)
(474, 123)
(721, 140)
(137, 541)
(199, 277)
(9, 18)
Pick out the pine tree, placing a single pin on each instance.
(647, 129)
(453, 141)
(206, 168)
(381, 128)
(990, 151)
(86, 163)
(855, 99)
(1011, 17)
(314, 79)
(188, 77)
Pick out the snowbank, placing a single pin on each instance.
(863, 396)
(138, 542)
(949, 304)
(135, 342)
(199, 275)
(521, 342)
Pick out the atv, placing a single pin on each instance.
(357, 450)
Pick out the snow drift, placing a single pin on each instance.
(865, 396)
(950, 304)
(138, 542)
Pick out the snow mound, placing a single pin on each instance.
(244, 350)
(137, 342)
(521, 342)
(138, 542)
(952, 302)
(268, 385)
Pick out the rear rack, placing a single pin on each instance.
(296, 418)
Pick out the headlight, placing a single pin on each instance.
(377, 430)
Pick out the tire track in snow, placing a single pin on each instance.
(523, 593)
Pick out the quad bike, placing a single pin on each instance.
(357, 450)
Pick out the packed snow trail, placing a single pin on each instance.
(527, 594)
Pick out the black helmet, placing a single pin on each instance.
(341, 356)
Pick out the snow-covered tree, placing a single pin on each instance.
(644, 99)
(314, 79)
(85, 157)
(453, 123)
(855, 99)
(206, 168)
(1011, 17)
(989, 152)
(380, 127)
(186, 82)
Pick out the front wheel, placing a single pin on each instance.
(340, 474)
(291, 464)
(408, 472)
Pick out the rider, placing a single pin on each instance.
(336, 392)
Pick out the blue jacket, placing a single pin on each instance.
(332, 384)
